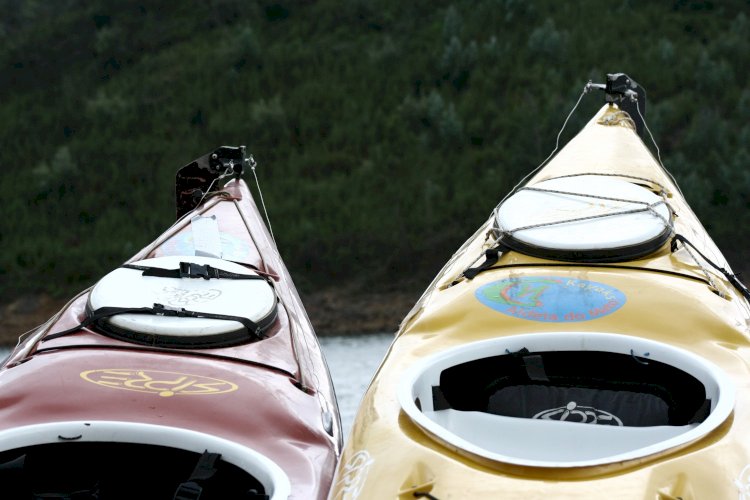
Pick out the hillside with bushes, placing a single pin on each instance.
(385, 132)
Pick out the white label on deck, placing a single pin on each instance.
(206, 238)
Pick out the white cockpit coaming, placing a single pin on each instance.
(63, 457)
(566, 399)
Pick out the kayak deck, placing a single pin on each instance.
(514, 370)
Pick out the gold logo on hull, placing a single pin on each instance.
(162, 383)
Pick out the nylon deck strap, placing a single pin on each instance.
(192, 270)
(534, 365)
(732, 278)
(491, 256)
(439, 402)
(92, 494)
(158, 310)
(205, 469)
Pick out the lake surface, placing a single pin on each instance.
(353, 360)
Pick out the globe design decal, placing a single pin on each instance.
(551, 299)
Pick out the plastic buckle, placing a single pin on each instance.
(162, 310)
(188, 491)
(193, 270)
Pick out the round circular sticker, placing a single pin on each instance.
(551, 299)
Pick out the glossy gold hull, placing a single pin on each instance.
(669, 297)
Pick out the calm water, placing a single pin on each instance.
(352, 360)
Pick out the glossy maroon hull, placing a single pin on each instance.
(274, 396)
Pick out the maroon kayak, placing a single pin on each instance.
(192, 371)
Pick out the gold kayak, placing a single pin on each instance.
(588, 341)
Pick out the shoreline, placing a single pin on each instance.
(333, 312)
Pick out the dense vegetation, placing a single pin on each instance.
(385, 131)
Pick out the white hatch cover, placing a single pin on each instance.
(586, 218)
(253, 299)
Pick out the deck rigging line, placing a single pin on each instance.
(424, 494)
(498, 246)
(731, 277)
(648, 207)
(253, 163)
(557, 145)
